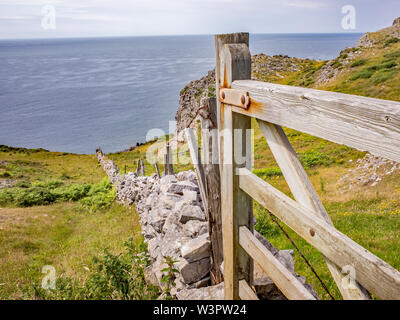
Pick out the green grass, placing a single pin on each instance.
(63, 235)
(358, 63)
(391, 41)
(61, 213)
(93, 196)
(374, 72)
(363, 221)
(113, 277)
(268, 172)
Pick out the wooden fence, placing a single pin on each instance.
(364, 123)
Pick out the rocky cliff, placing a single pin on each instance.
(302, 72)
(371, 38)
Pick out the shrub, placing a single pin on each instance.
(389, 64)
(363, 74)
(73, 192)
(99, 200)
(5, 174)
(34, 196)
(393, 55)
(92, 196)
(383, 76)
(313, 158)
(23, 184)
(268, 172)
(358, 63)
(49, 184)
(118, 277)
(392, 40)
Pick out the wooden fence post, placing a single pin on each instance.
(138, 167)
(166, 165)
(212, 186)
(168, 161)
(157, 170)
(234, 63)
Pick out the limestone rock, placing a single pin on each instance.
(194, 228)
(179, 187)
(190, 212)
(197, 249)
(168, 200)
(193, 271)
(207, 293)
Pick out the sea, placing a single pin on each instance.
(74, 95)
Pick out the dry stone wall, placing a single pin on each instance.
(174, 225)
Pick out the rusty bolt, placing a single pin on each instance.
(312, 232)
(223, 95)
(243, 99)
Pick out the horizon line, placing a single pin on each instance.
(171, 35)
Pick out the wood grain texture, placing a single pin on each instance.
(366, 124)
(246, 292)
(290, 286)
(170, 160)
(234, 64)
(304, 193)
(373, 273)
(212, 187)
(157, 169)
(138, 167)
(220, 40)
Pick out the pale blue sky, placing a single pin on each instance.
(87, 18)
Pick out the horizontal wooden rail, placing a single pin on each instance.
(363, 123)
(246, 292)
(373, 273)
(290, 286)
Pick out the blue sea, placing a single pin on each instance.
(74, 95)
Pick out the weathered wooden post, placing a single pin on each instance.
(212, 185)
(143, 169)
(234, 63)
(166, 164)
(138, 167)
(157, 170)
(170, 160)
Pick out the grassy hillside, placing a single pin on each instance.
(368, 215)
(372, 72)
(61, 212)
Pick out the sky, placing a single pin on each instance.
(96, 18)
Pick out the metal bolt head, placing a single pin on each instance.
(243, 99)
(312, 232)
(223, 95)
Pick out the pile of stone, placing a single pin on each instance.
(174, 225)
(369, 171)
(109, 166)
